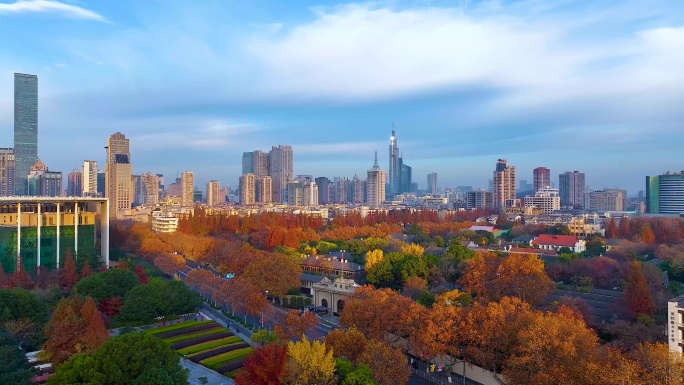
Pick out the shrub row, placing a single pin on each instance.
(215, 352)
(216, 361)
(181, 325)
(209, 345)
(187, 330)
(231, 366)
(216, 329)
(199, 340)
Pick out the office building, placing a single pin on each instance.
(197, 196)
(607, 200)
(432, 183)
(399, 173)
(213, 188)
(281, 171)
(546, 199)
(479, 199)
(247, 189)
(101, 184)
(324, 190)
(504, 184)
(174, 188)
(375, 185)
(74, 184)
(665, 193)
(542, 178)
(187, 189)
(358, 187)
(247, 163)
(118, 174)
(295, 193)
(6, 172)
(571, 187)
(149, 192)
(136, 190)
(89, 183)
(264, 191)
(43, 182)
(25, 129)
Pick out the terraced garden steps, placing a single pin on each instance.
(214, 352)
(218, 360)
(181, 325)
(201, 333)
(178, 332)
(197, 340)
(190, 350)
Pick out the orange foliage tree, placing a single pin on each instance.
(348, 344)
(389, 365)
(276, 274)
(638, 295)
(297, 325)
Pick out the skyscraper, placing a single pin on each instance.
(101, 184)
(89, 181)
(342, 187)
(213, 188)
(359, 190)
(247, 162)
(571, 187)
(25, 129)
(281, 171)
(324, 190)
(43, 182)
(504, 183)
(6, 171)
(542, 178)
(247, 189)
(136, 190)
(432, 183)
(310, 193)
(187, 189)
(394, 166)
(260, 164)
(74, 184)
(375, 185)
(118, 175)
(150, 189)
(665, 193)
(264, 190)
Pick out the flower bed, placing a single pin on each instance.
(216, 361)
(178, 332)
(214, 352)
(216, 329)
(199, 340)
(190, 350)
(231, 366)
(181, 325)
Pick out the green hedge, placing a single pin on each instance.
(202, 333)
(296, 301)
(181, 325)
(216, 361)
(208, 345)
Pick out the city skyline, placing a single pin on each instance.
(453, 119)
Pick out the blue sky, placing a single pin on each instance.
(570, 85)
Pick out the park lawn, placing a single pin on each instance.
(216, 361)
(201, 333)
(190, 350)
(181, 325)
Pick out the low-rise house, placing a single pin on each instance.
(557, 242)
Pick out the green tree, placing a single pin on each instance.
(134, 358)
(14, 369)
(362, 375)
(23, 315)
(108, 283)
(595, 246)
(451, 262)
(158, 298)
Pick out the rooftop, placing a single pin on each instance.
(556, 240)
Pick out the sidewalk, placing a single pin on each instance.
(216, 315)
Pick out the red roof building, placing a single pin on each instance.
(555, 242)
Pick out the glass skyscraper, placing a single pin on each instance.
(25, 129)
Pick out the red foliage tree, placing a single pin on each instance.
(69, 275)
(3, 276)
(625, 228)
(612, 229)
(95, 333)
(638, 296)
(110, 306)
(265, 366)
(86, 270)
(122, 266)
(20, 278)
(140, 272)
(646, 234)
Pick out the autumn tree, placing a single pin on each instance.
(69, 274)
(646, 234)
(297, 325)
(612, 230)
(373, 257)
(95, 333)
(309, 363)
(440, 333)
(523, 276)
(413, 249)
(413, 287)
(264, 366)
(86, 270)
(625, 228)
(65, 330)
(638, 296)
(169, 264)
(275, 274)
(348, 344)
(20, 278)
(3, 277)
(140, 272)
(389, 365)
(658, 364)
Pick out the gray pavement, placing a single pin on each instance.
(197, 371)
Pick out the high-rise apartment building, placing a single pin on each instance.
(342, 187)
(74, 184)
(375, 185)
(213, 188)
(358, 190)
(309, 193)
(248, 189)
(6, 172)
(101, 184)
(247, 163)
(545, 199)
(260, 163)
(542, 178)
(25, 129)
(324, 190)
(571, 186)
(264, 190)
(187, 189)
(43, 182)
(504, 184)
(665, 193)
(281, 170)
(607, 200)
(89, 180)
(432, 183)
(479, 199)
(136, 190)
(150, 189)
(118, 174)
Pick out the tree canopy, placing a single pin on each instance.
(158, 298)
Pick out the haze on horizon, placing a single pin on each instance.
(570, 85)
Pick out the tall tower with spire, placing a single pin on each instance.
(394, 165)
(375, 185)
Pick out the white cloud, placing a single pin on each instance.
(207, 135)
(50, 6)
(363, 148)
